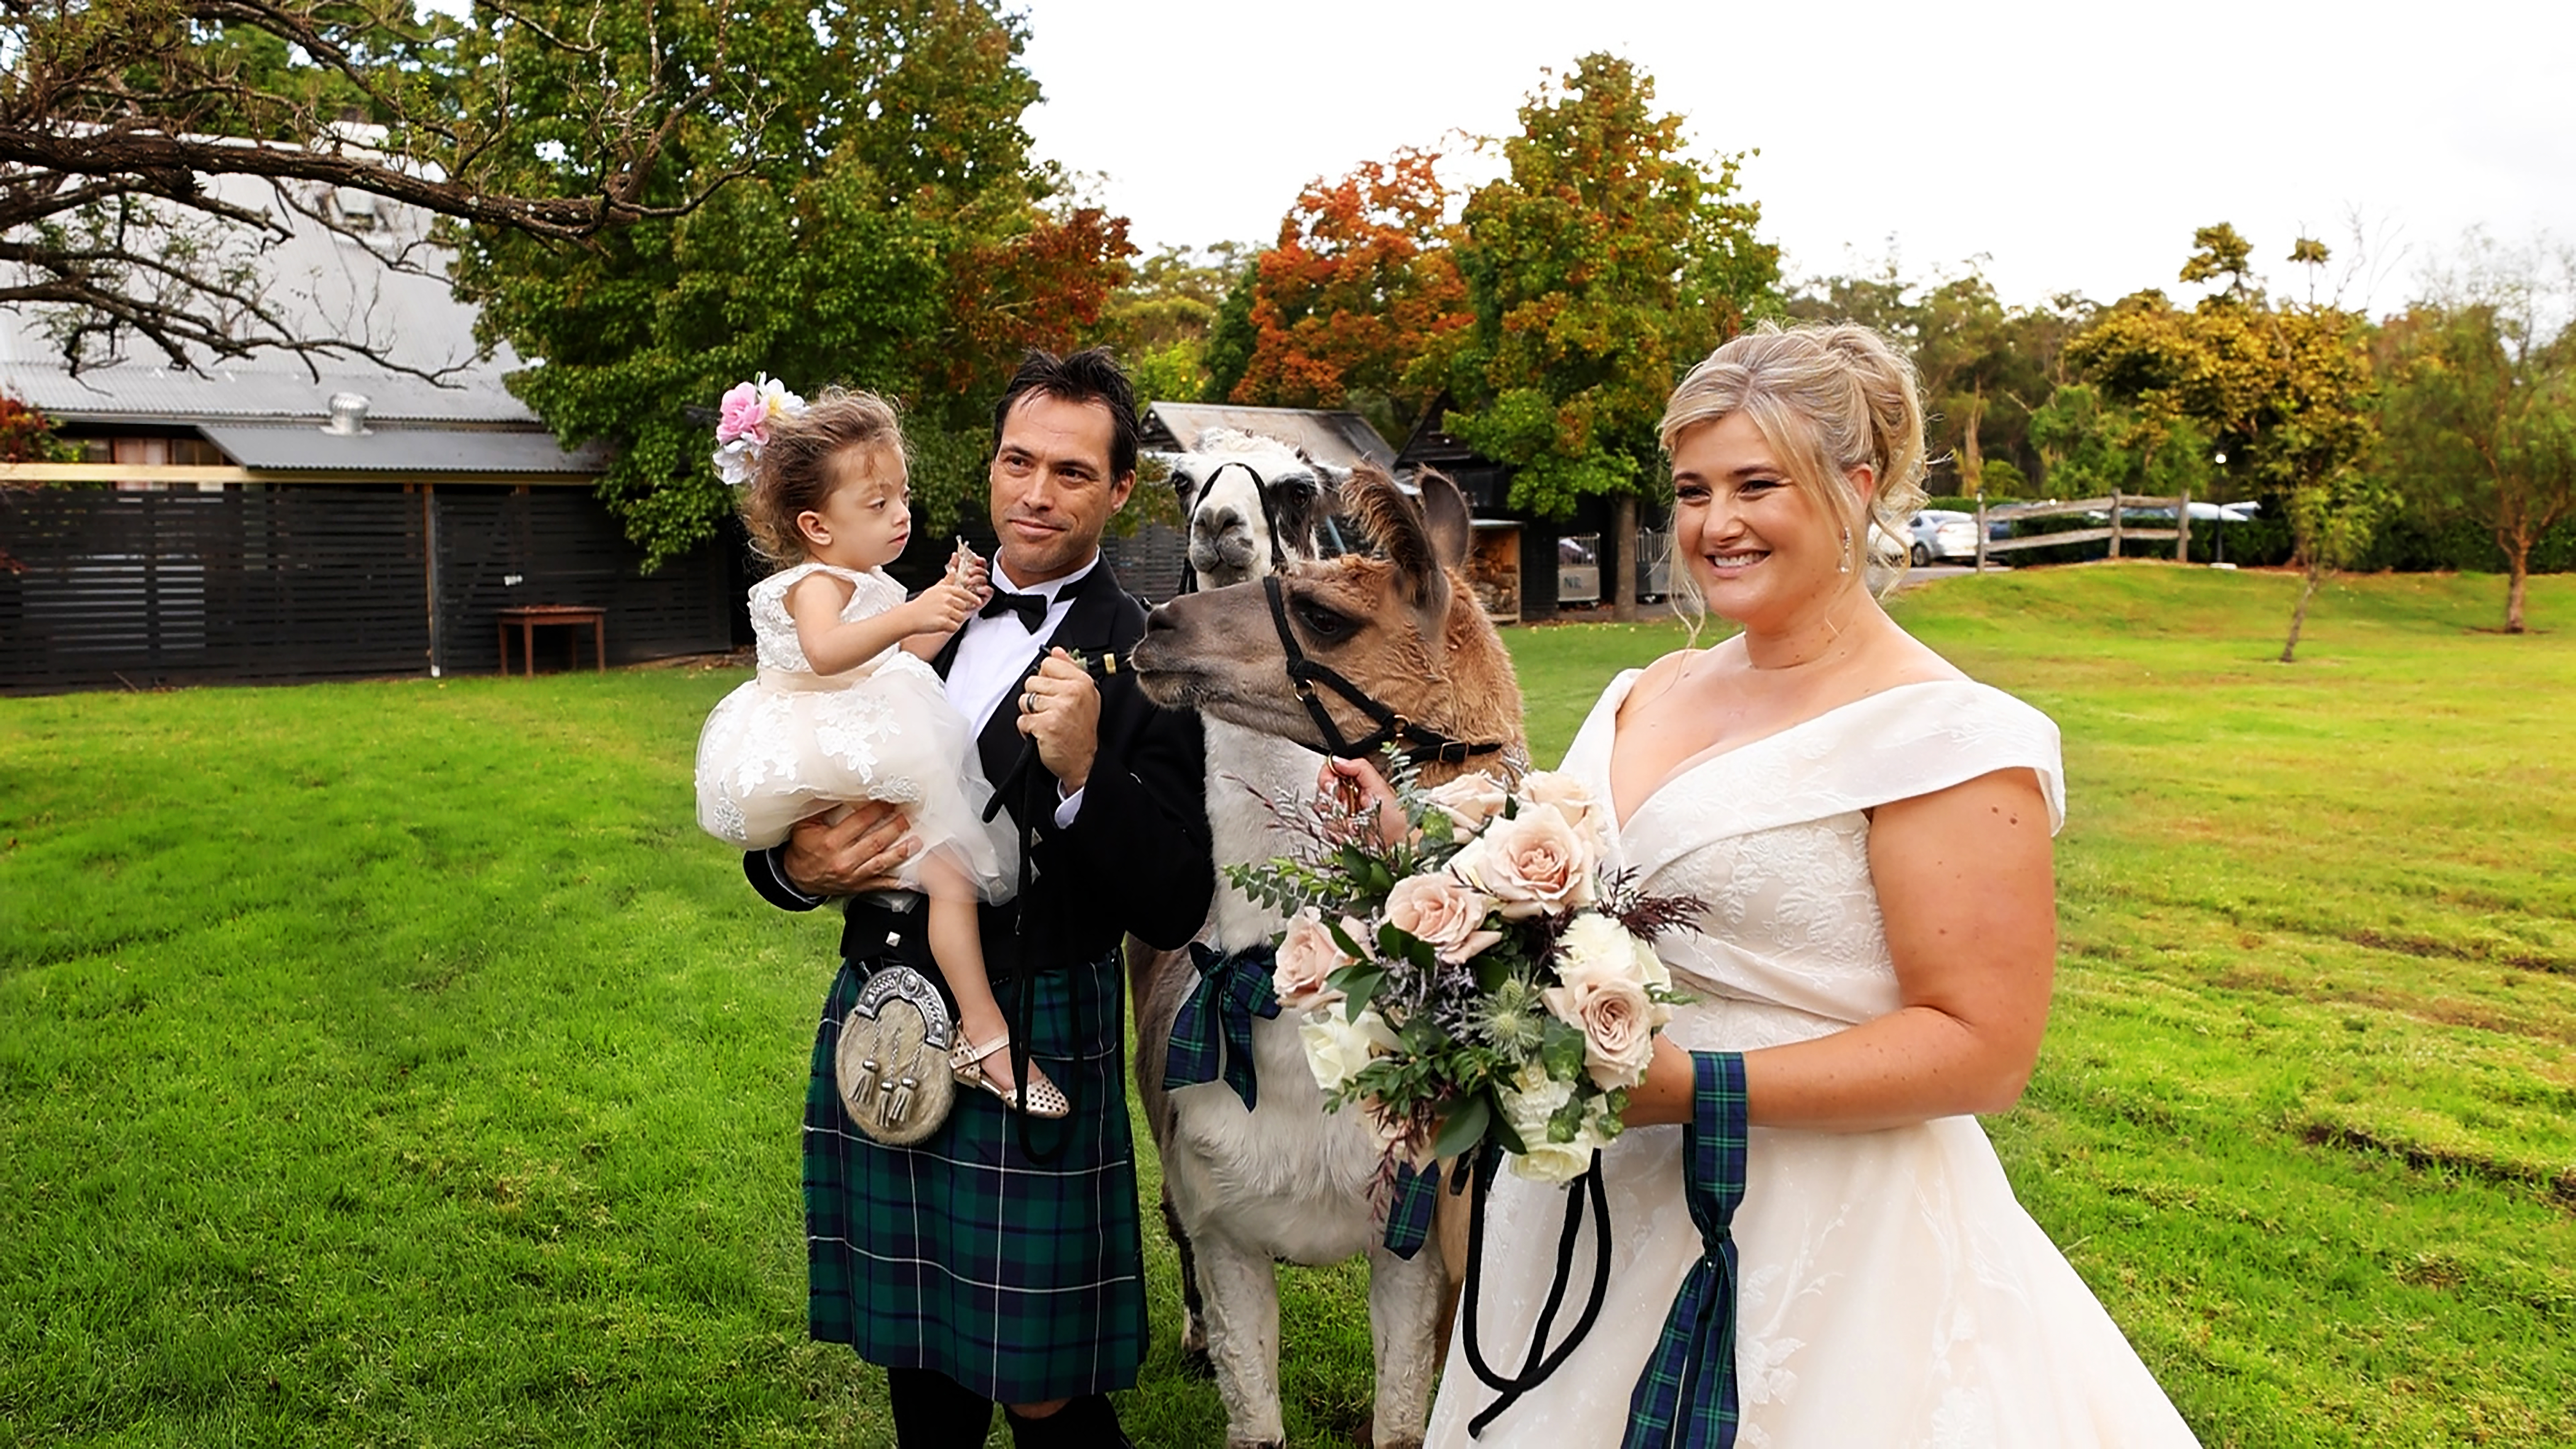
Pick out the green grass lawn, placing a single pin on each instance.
(395, 1063)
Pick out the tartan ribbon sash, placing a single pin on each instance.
(1687, 1396)
(1212, 1034)
(1409, 1211)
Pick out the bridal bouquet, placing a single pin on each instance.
(1480, 979)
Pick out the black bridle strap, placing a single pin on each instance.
(1417, 742)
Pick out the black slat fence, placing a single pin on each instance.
(317, 581)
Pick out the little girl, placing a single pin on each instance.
(845, 708)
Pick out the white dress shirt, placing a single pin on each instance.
(994, 653)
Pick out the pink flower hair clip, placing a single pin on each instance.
(743, 418)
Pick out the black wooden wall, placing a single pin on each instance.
(297, 582)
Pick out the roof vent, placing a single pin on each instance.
(348, 415)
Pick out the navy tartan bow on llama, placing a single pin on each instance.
(1212, 1038)
(1687, 1396)
(1212, 1034)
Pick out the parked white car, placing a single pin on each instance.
(1941, 533)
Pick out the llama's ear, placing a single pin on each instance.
(1444, 517)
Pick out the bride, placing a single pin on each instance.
(1869, 832)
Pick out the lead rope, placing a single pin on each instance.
(1540, 1361)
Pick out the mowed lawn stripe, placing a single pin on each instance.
(396, 1063)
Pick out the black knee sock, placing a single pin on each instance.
(934, 1411)
(1084, 1423)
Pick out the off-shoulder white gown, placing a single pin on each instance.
(1892, 1293)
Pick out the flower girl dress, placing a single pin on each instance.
(792, 742)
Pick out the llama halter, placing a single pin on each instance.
(1417, 742)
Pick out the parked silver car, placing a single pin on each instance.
(1941, 533)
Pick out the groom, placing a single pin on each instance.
(1000, 1259)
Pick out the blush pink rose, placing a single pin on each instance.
(1306, 955)
(1443, 911)
(743, 413)
(1617, 1022)
(1533, 863)
(1469, 801)
(1567, 797)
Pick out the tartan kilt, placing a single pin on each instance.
(1021, 1280)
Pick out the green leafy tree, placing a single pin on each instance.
(2481, 407)
(2284, 386)
(152, 150)
(2094, 447)
(1160, 319)
(1600, 268)
(1984, 366)
(894, 234)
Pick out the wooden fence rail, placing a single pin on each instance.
(2118, 531)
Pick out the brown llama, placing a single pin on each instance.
(1249, 1186)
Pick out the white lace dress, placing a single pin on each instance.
(1892, 1293)
(792, 742)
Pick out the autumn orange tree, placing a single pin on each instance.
(1360, 302)
(1606, 263)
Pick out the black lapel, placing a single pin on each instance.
(1093, 623)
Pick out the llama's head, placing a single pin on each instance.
(1235, 487)
(1400, 625)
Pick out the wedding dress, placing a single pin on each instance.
(1891, 1291)
(792, 742)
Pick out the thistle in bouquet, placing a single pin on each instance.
(1475, 976)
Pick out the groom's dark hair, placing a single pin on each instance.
(1089, 376)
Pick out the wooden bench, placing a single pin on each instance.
(531, 617)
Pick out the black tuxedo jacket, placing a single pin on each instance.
(1136, 857)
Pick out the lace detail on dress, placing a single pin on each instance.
(773, 629)
(791, 743)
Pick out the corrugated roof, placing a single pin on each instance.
(323, 285)
(134, 391)
(400, 450)
(1336, 436)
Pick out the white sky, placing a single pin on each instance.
(2075, 147)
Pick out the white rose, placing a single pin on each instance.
(1306, 955)
(1533, 863)
(1527, 1104)
(1444, 912)
(1596, 945)
(1336, 1049)
(1469, 801)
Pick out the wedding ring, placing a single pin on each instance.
(1026, 705)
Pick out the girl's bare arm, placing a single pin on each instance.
(831, 645)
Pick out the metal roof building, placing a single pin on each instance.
(261, 520)
(322, 284)
(1336, 436)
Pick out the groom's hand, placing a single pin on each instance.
(858, 852)
(1060, 710)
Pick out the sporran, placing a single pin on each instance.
(891, 1067)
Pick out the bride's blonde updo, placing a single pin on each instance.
(1829, 399)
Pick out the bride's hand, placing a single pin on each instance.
(1365, 792)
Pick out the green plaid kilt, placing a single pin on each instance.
(1021, 1280)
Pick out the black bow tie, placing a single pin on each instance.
(1032, 608)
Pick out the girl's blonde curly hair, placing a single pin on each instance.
(799, 466)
